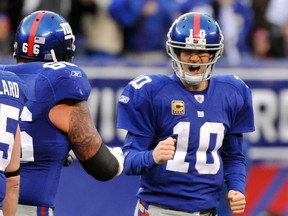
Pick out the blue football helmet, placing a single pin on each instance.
(44, 36)
(194, 31)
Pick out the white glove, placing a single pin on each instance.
(118, 154)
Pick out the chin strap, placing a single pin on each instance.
(53, 55)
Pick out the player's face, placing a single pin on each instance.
(194, 57)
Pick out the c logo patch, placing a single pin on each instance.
(178, 107)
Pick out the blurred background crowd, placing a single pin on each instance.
(255, 29)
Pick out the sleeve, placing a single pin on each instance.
(243, 114)
(234, 163)
(138, 158)
(23, 95)
(233, 157)
(135, 109)
(68, 83)
(137, 116)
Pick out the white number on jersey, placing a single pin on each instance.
(6, 138)
(27, 151)
(178, 163)
(140, 81)
(57, 65)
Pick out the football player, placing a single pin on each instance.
(56, 117)
(185, 130)
(12, 99)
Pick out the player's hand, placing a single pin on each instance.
(118, 154)
(164, 150)
(237, 201)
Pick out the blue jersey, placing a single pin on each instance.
(44, 147)
(154, 107)
(12, 99)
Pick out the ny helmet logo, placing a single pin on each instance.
(67, 31)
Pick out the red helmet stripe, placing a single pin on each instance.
(33, 33)
(196, 30)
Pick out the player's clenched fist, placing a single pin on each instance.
(164, 150)
(237, 201)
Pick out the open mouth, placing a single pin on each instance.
(194, 69)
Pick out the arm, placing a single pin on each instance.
(235, 171)
(12, 179)
(73, 118)
(140, 160)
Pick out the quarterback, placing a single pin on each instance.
(185, 130)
